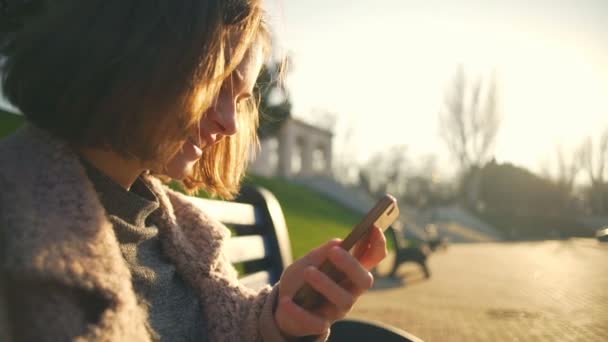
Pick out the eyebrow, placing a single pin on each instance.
(241, 80)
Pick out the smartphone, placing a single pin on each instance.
(382, 215)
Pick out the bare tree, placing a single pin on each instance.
(564, 169)
(469, 118)
(594, 157)
(386, 171)
(344, 159)
(469, 122)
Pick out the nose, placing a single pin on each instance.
(224, 115)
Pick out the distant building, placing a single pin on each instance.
(299, 149)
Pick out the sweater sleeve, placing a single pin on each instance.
(234, 311)
(268, 327)
(257, 310)
(47, 311)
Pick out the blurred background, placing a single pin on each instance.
(496, 106)
(488, 121)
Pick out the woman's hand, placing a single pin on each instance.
(294, 320)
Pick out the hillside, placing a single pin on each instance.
(311, 218)
(9, 122)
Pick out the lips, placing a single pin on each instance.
(204, 140)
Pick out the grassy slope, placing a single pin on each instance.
(311, 218)
(9, 122)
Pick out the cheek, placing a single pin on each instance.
(205, 124)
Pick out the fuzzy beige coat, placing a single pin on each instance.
(54, 230)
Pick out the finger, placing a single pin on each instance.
(319, 254)
(376, 251)
(354, 271)
(363, 245)
(296, 321)
(333, 292)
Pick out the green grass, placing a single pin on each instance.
(312, 219)
(9, 122)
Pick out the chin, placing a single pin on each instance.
(179, 172)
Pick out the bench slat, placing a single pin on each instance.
(246, 248)
(228, 212)
(257, 280)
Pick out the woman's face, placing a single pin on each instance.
(221, 119)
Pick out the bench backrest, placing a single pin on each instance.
(260, 244)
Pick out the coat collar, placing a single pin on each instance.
(53, 226)
(58, 228)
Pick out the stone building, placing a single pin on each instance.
(299, 149)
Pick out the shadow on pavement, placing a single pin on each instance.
(402, 278)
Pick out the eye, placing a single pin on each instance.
(243, 97)
(242, 101)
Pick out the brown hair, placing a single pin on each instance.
(136, 76)
(221, 168)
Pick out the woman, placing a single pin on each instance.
(119, 95)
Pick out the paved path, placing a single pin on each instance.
(459, 233)
(536, 291)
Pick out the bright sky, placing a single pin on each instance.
(383, 65)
